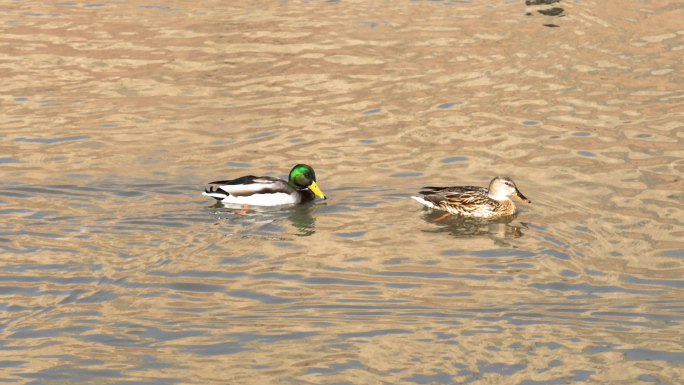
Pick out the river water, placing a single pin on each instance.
(116, 270)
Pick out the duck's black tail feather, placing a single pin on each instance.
(217, 194)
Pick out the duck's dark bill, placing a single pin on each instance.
(519, 195)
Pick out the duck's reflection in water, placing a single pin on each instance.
(468, 227)
(302, 217)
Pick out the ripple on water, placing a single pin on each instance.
(53, 140)
(448, 105)
(454, 159)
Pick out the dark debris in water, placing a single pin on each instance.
(555, 11)
(552, 11)
(541, 2)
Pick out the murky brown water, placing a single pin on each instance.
(116, 270)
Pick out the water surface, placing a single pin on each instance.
(116, 270)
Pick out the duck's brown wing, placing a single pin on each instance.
(453, 196)
(453, 189)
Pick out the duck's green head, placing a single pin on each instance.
(303, 176)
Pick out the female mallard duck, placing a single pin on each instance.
(267, 190)
(474, 201)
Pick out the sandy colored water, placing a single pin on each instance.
(115, 115)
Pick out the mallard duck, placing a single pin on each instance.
(474, 201)
(267, 190)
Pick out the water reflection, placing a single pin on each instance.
(302, 217)
(464, 227)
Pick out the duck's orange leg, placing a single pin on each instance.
(243, 211)
(442, 217)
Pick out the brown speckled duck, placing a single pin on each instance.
(474, 201)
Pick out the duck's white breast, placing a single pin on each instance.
(272, 199)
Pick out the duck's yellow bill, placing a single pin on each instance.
(314, 187)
